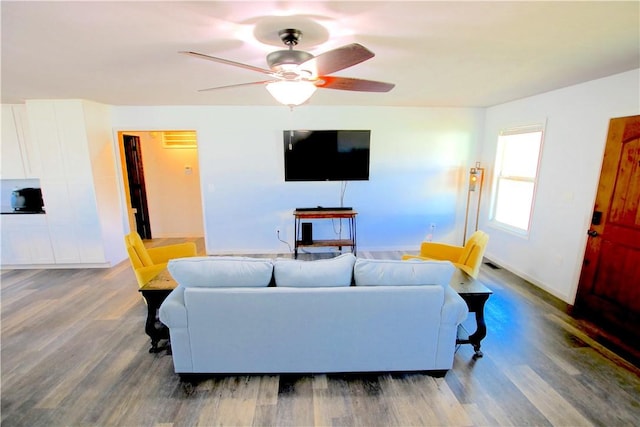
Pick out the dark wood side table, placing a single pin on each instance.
(475, 294)
(155, 292)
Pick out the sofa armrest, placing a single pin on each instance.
(163, 254)
(454, 309)
(173, 312)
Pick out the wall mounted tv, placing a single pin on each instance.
(326, 155)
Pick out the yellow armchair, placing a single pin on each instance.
(147, 263)
(468, 257)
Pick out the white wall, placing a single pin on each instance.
(419, 159)
(577, 120)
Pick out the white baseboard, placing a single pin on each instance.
(525, 276)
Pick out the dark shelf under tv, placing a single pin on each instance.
(302, 214)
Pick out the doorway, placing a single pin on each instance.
(168, 180)
(609, 287)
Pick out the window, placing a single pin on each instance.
(516, 176)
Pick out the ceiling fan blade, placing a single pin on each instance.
(239, 85)
(360, 85)
(337, 59)
(227, 62)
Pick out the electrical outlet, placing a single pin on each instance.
(432, 229)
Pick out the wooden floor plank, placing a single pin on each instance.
(295, 401)
(74, 352)
(405, 407)
(362, 397)
(554, 407)
(332, 402)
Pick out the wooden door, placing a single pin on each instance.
(609, 287)
(137, 188)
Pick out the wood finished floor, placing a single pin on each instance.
(74, 353)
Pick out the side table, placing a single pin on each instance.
(155, 292)
(475, 294)
(324, 213)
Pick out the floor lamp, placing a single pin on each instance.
(476, 179)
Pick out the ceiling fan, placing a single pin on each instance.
(296, 74)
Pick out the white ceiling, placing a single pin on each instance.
(458, 54)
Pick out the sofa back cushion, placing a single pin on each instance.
(376, 272)
(331, 272)
(225, 272)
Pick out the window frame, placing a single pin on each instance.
(498, 176)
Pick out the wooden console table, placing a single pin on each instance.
(155, 292)
(475, 294)
(302, 214)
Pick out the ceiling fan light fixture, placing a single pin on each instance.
(295, 74)
(282, 58)
(291, 93)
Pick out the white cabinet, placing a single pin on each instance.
(11, 151)
(78, 179)
(20, 159)
(68, 146)
(64, 243)
(25, 240)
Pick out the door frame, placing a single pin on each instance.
(127, 214)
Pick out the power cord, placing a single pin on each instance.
(284, 241)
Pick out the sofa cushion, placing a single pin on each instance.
(376, 272)
(331, 272)
(226, 272)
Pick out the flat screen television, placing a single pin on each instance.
(326, 155)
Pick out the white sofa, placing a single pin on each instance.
(250, 315)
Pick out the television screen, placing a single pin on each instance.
(326, 155)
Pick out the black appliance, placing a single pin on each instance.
(307, 233)
(27, 200)
(326, 155)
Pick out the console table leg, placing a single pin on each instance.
(151, 330)
(475, 294)
(153, 327)
(481, 330)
